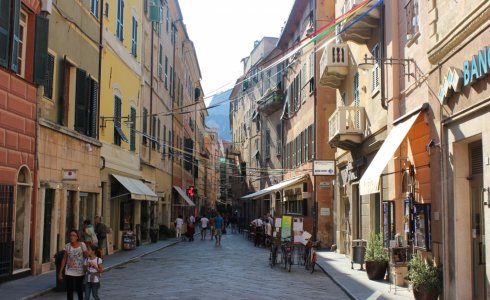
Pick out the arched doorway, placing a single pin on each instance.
(22, 220)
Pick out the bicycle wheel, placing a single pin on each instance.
(307, 261)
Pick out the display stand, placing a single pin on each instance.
(399, 257)
(129, 240)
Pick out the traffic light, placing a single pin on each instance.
(191, 191)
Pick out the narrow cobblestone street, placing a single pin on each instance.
(200, 270)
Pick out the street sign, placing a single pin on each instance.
(323, 167)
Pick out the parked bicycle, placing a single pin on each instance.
(286, 253)
(274, 249)
(310, 255)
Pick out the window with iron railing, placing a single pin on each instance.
(412, 15)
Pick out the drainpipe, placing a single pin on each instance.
(382, 55)
(151, 91)
(101, 46)
(315, 130)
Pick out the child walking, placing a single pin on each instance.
(93, 266)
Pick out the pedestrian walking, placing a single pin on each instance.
(211, 227)
(192, 219)
(178, 226)
(101, 231)
(219, 224)
(234, 223)
(189, 233)
(93, 268)
(204, 227)
(89, 236)
(72, 265)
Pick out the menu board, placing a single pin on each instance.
(297, 229)
(286, 227)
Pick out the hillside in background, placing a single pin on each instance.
(219, 115)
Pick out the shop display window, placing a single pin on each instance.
(388, 222)
(421, 226)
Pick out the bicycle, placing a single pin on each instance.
(273, 253)
(286, 253)
(310, 255)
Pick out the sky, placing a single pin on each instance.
(224, 31)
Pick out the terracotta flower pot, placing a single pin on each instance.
(426, 294)
(376, 270)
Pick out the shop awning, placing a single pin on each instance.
(184, 196)
(137, 189)
(369, 182)
(276, 187)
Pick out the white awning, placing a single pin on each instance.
(276, 187)
(137, 189)
(369, 182)
(184, 196)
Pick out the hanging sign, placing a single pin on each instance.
(286, 227)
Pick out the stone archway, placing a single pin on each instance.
(22, 220)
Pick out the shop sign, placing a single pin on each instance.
(323, 167)
(474, 69)
(324, 184)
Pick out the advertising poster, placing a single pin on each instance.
(286, 226)
(297, 229)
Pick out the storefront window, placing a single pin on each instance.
(388, 222)
(126, 215)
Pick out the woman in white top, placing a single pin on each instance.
(72, 265)
(178, 226)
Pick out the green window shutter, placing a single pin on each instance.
(4, 32)
(312, 141)
(145, 128)
(15, 40)
(41, 50)
(158, 134)
(93, 112)
(164, 140)
(81, 101)
(132, 134)
(48, 77)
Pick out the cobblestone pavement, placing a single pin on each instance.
(200, 270)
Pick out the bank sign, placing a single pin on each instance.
(474, 69)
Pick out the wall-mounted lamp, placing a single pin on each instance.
(88, 147)
(103, 120)
(431, 144)
(370, 61)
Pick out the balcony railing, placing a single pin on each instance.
(272, 101)
(334, 65)
(361, 31)
(346, 127)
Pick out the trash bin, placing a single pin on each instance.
(60, 284)
(358, 251)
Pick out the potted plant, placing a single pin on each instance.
(425, 278)
(376, 258)
(154, 234)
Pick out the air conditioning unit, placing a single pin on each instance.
(47, 6)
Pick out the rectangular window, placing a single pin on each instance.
(357, 99)
(160, 63)
(118, 132)
(294, 153)
(153, 131)
(49, 77)
(267, 143)
(376, 70)
(166, 71)
(145, 126)
(171, 82)
(167, 19)
(412, 15)
(132, 133)
(164, 141)
(312, 130)
(170, 143)
(94, 8)
(21, 55)
(300, 147)
(85, 104)
(134, 38)
(158, 134)
(120, 20)
(306, 142)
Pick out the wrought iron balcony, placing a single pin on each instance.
(334, 65)
(361, 31)
(272, 101)
(346, 127)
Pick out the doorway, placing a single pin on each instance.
(48, 210)
(22, 221)
(475, 151)
(6, 215)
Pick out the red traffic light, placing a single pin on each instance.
(191, 191)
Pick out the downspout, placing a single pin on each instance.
(172, 126)
(101, 47)
(315, 130)
(151, 92)
(382, 54)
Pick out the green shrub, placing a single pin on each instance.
(375, 250)
(423, 275)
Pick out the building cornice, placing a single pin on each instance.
(461, 31)
(69, 132)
